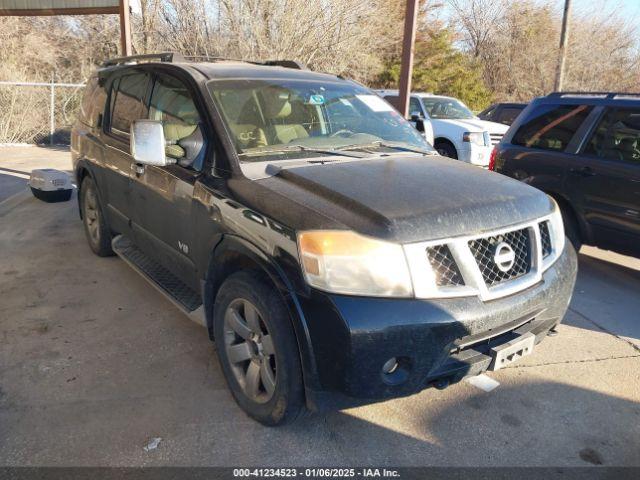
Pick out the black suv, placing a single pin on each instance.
(583, 149)
(332, 255)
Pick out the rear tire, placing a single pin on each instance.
(446, 149)
(94, 221)
(257, 349)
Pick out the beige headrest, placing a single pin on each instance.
(276, 103)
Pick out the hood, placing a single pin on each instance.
(473, 125)
(407, 199)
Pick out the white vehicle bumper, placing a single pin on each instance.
(475, 154)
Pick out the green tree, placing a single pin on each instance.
(442, 69)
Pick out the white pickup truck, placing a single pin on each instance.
(457, 132)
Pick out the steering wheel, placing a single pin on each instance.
(343, 132)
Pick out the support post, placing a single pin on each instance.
(408, 46)
(564, 36)
(52, 112)
(125, 28)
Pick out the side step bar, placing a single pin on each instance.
(181, 295)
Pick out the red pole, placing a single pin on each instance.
(408, 45)
(125, 28)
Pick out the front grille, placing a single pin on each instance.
(484, 250)
(444, 266)
(545, 238)
(495, 138)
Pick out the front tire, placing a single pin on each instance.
(446, 150)
(93, 219)
(257, 349)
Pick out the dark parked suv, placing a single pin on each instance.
(332, 255)
(583, 149)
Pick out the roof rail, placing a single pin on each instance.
(608, 95)
(269, 63)
(162, 57)
(285, 64)
(177, 57)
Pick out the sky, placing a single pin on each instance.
(632, 7)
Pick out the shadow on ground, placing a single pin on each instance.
(11, 182)
(607, 296)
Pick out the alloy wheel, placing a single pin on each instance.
(249, 349)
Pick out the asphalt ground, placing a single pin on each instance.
(95, 363)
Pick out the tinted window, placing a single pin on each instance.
(551, 127)
(508, 114)
(488, 113)
(172, 104)
(128, 103)
(87, 101)
(617, 136)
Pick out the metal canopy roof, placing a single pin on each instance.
(58, 7)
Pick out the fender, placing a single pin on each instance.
(84, 164)
(234, 245)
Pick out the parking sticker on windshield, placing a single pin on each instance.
(316, 99)
(375, 103)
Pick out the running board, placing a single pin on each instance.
(181, 295)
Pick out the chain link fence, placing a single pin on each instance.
(38, 112)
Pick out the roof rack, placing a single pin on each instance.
(607, 95)
(285, 64)
(162, 57)
(178, 57)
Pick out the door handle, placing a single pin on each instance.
(583, 171)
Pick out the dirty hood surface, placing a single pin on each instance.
(408, 199)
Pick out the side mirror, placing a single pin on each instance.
(148, 143)
(419, 121)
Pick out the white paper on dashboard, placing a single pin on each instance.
(375, 103)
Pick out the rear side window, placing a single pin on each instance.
(551, 127)
(617, 136)
(128, 103)
(87, 101)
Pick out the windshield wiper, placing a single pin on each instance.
(397, 146)
(302, 148)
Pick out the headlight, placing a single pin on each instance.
(473, 137)
(348, 263)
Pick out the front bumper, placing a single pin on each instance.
(437, 342)
(475, 154)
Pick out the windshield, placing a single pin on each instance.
(297, 118)
(447, 108)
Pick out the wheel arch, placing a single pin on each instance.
(81, 171)
(566, 206)
(442, 139)
(233, 254)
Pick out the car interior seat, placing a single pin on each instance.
(248, 126)
(184, 137)
(627, 149)
(282, 127)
